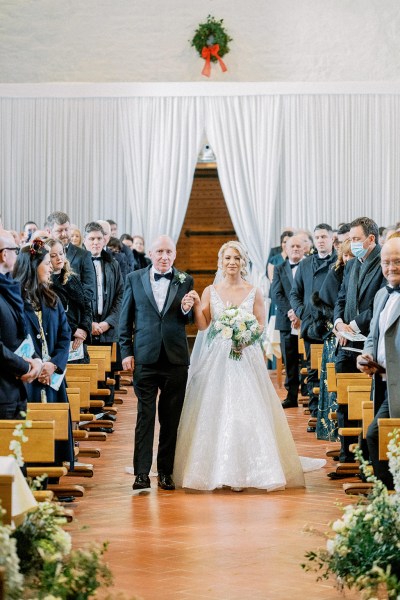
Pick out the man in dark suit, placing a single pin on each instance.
(58, 226)
(155, 310)
(309, 279)
(383, 347)
(286, 321)
(14, 370)
(362, 279)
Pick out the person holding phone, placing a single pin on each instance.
(381, 354)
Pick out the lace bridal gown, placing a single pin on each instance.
(233, 430)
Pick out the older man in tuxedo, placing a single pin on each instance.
(155, 310)
(286, 321)
(14, 370)
(383, 348)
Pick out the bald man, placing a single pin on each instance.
(383, 348)
(155, 310)
(14, 370)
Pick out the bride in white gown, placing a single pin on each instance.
(233, 431)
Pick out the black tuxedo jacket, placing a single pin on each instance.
(141, 320)
(81, 264)
(280, 291)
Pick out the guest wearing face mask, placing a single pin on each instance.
(353, 309)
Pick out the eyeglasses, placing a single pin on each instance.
(16, 250)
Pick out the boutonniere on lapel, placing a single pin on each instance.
(179, 278)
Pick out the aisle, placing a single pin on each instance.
(215, 546)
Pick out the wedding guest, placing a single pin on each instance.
(279, 258)
(76, 236)
(383, 347)
(29, 228)
(106, 303)
(353, 307)
(309, 278)
(70, 291)
(139, 257)
(49, 329)
(58, 227)
(14, 370)
(286, 321)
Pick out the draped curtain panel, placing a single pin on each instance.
(245, 134)
(287, 155)
(161, 138)
(61, 154)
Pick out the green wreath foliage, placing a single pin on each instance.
(219, 35)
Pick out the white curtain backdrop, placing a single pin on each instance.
(161, 138)
(245, 134)
(288, 154)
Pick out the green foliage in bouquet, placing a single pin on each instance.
(363, 549)
(237, 325)
(210, 33)
(40, 565)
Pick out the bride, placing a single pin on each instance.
(233, 431)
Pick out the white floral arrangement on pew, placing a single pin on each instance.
(363, 547)
(237, 325)
(37, 557)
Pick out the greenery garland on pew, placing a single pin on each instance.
(211, 41)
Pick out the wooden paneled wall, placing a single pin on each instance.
(206, 227)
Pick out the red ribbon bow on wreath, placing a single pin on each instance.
(206, 53)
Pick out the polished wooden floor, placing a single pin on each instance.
(208, 545)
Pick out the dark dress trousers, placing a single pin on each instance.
(157, 341)
(280, 291)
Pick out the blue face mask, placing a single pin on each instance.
(358, 249)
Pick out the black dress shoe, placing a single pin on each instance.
(142, 482)
(289, 404)
(165, 482)
(311, 429)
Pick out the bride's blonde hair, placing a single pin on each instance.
(244, 257)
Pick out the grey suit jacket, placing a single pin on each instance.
(392, 348)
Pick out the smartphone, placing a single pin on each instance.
(372, 364)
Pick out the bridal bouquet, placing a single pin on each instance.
(363, 549)
(237, 325)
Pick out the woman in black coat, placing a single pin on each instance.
(77, 307)
(49, 329)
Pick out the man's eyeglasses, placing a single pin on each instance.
(16, 250)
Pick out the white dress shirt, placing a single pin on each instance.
(384, 319)
(159, 288)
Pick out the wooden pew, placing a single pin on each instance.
(58, 413)
(6, 482)
(386, 426)
(360, 487)
(91, 371)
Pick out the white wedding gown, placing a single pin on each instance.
(233, 430)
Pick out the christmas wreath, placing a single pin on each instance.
(211, 42)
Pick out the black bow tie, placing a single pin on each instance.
(324, 257)
(96, 258)
(293, 265)
(158, 276)
(393, 289)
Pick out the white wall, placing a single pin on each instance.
(147, 40)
